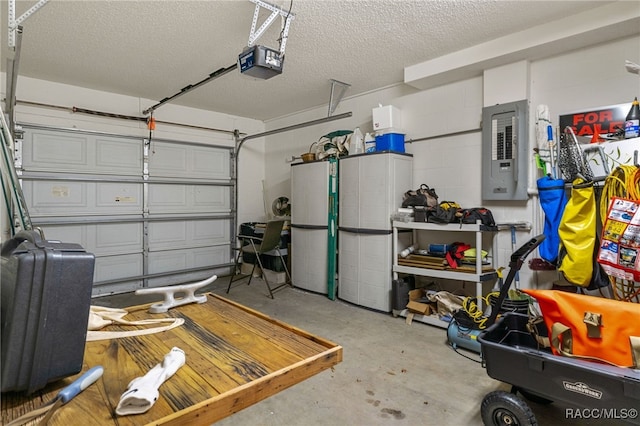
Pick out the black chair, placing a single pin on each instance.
(258, 246)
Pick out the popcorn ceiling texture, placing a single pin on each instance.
(152, 49)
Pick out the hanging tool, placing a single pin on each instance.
(64, 396)
(513, 226)
(544, 140)
(551, 143)
(513, 248)
(570, 159)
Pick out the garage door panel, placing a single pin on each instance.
(165, 198)
(68, 198)
(189, 161)
(100, 239)
(186, 234)
(119, 238)
(211, 164)
(123, 157)
(168, 160)
(118, 198)
(177, 259)
(69, 234)
(211, 197)
(55, 152)
(185, 199)
(168, 260)
(56, 197)
(70, 152)
(117, 267)
(211, 231)
(211, 256)
(167, 235)
(139, 216)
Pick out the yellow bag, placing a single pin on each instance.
(577, 233)
(590, 327)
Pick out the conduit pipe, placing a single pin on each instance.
(444, 135)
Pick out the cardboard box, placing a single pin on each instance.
(275, 277)
(417, 306)
(245, 269)
(386, 117)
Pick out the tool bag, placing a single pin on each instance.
(553, 199)
(475, 214)
(455, 253)
(444, 212)
(590, 327)
(577, 232)
(423, 196)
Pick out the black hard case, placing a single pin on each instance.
(46, 296)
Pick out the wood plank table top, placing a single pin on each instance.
(235, 357)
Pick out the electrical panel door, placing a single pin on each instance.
(504, 151)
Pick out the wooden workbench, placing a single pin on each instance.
(235, 357)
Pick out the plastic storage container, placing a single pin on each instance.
(46, 295)
(356, 145)
(386, 117)
(369, 143)
(400, 292)
(269, 260)
(390, 142)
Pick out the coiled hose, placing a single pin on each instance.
(623, 182)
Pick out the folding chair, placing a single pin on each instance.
(258, 246)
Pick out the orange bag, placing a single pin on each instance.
(590, 327)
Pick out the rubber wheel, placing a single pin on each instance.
(534, 397)
(502, 408)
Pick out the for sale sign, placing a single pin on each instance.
(607, 120)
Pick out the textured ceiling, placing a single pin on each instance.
(152, 49)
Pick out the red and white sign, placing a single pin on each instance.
(607, 120)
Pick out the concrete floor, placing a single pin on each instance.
(392, 372)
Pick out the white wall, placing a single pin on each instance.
(582, 79)
(251, 167)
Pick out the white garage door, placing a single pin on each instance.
(153, 214)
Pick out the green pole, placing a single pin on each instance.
(332, 233)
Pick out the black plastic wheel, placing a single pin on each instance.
(533, 397)
(500, 408)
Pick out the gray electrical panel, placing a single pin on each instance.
(505, 128)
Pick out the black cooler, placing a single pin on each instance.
(46, 297)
